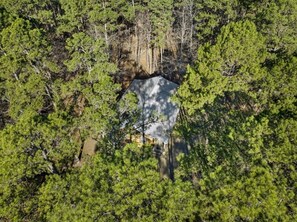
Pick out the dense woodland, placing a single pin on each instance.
(64, 66)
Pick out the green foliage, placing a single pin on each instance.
(279, 87)
(245, 173)
(92, 81)
(4, 18)
(126, 187)
(85, 53)
(232, 64)
(277, 21)
(75, 15)
(105, 15)
(23, 52)
(212, 15)
(38, 10)
(241, 100)
(161, 20)
(100, 17)
(32, 148)
(252, 197)
(57, 88)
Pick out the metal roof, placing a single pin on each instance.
(158, 112)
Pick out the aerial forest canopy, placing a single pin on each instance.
(64, 65)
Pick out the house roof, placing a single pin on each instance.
(158, 112)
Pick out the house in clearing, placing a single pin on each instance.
(157, 117)
(158, 113)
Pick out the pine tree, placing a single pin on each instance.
(23, 59)
(233, 63)
(211, 16)
(125, 187)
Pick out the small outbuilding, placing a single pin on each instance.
(158, 113)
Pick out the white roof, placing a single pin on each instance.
(158, 112)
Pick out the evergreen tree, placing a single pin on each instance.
(276, 20)
(238, 110)
(126, 187)
(232, 64)
(91, 83)
(40, 12)
(211, 16)
(234, 128)
(161, 20)
(32, 148)
(23, 61)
